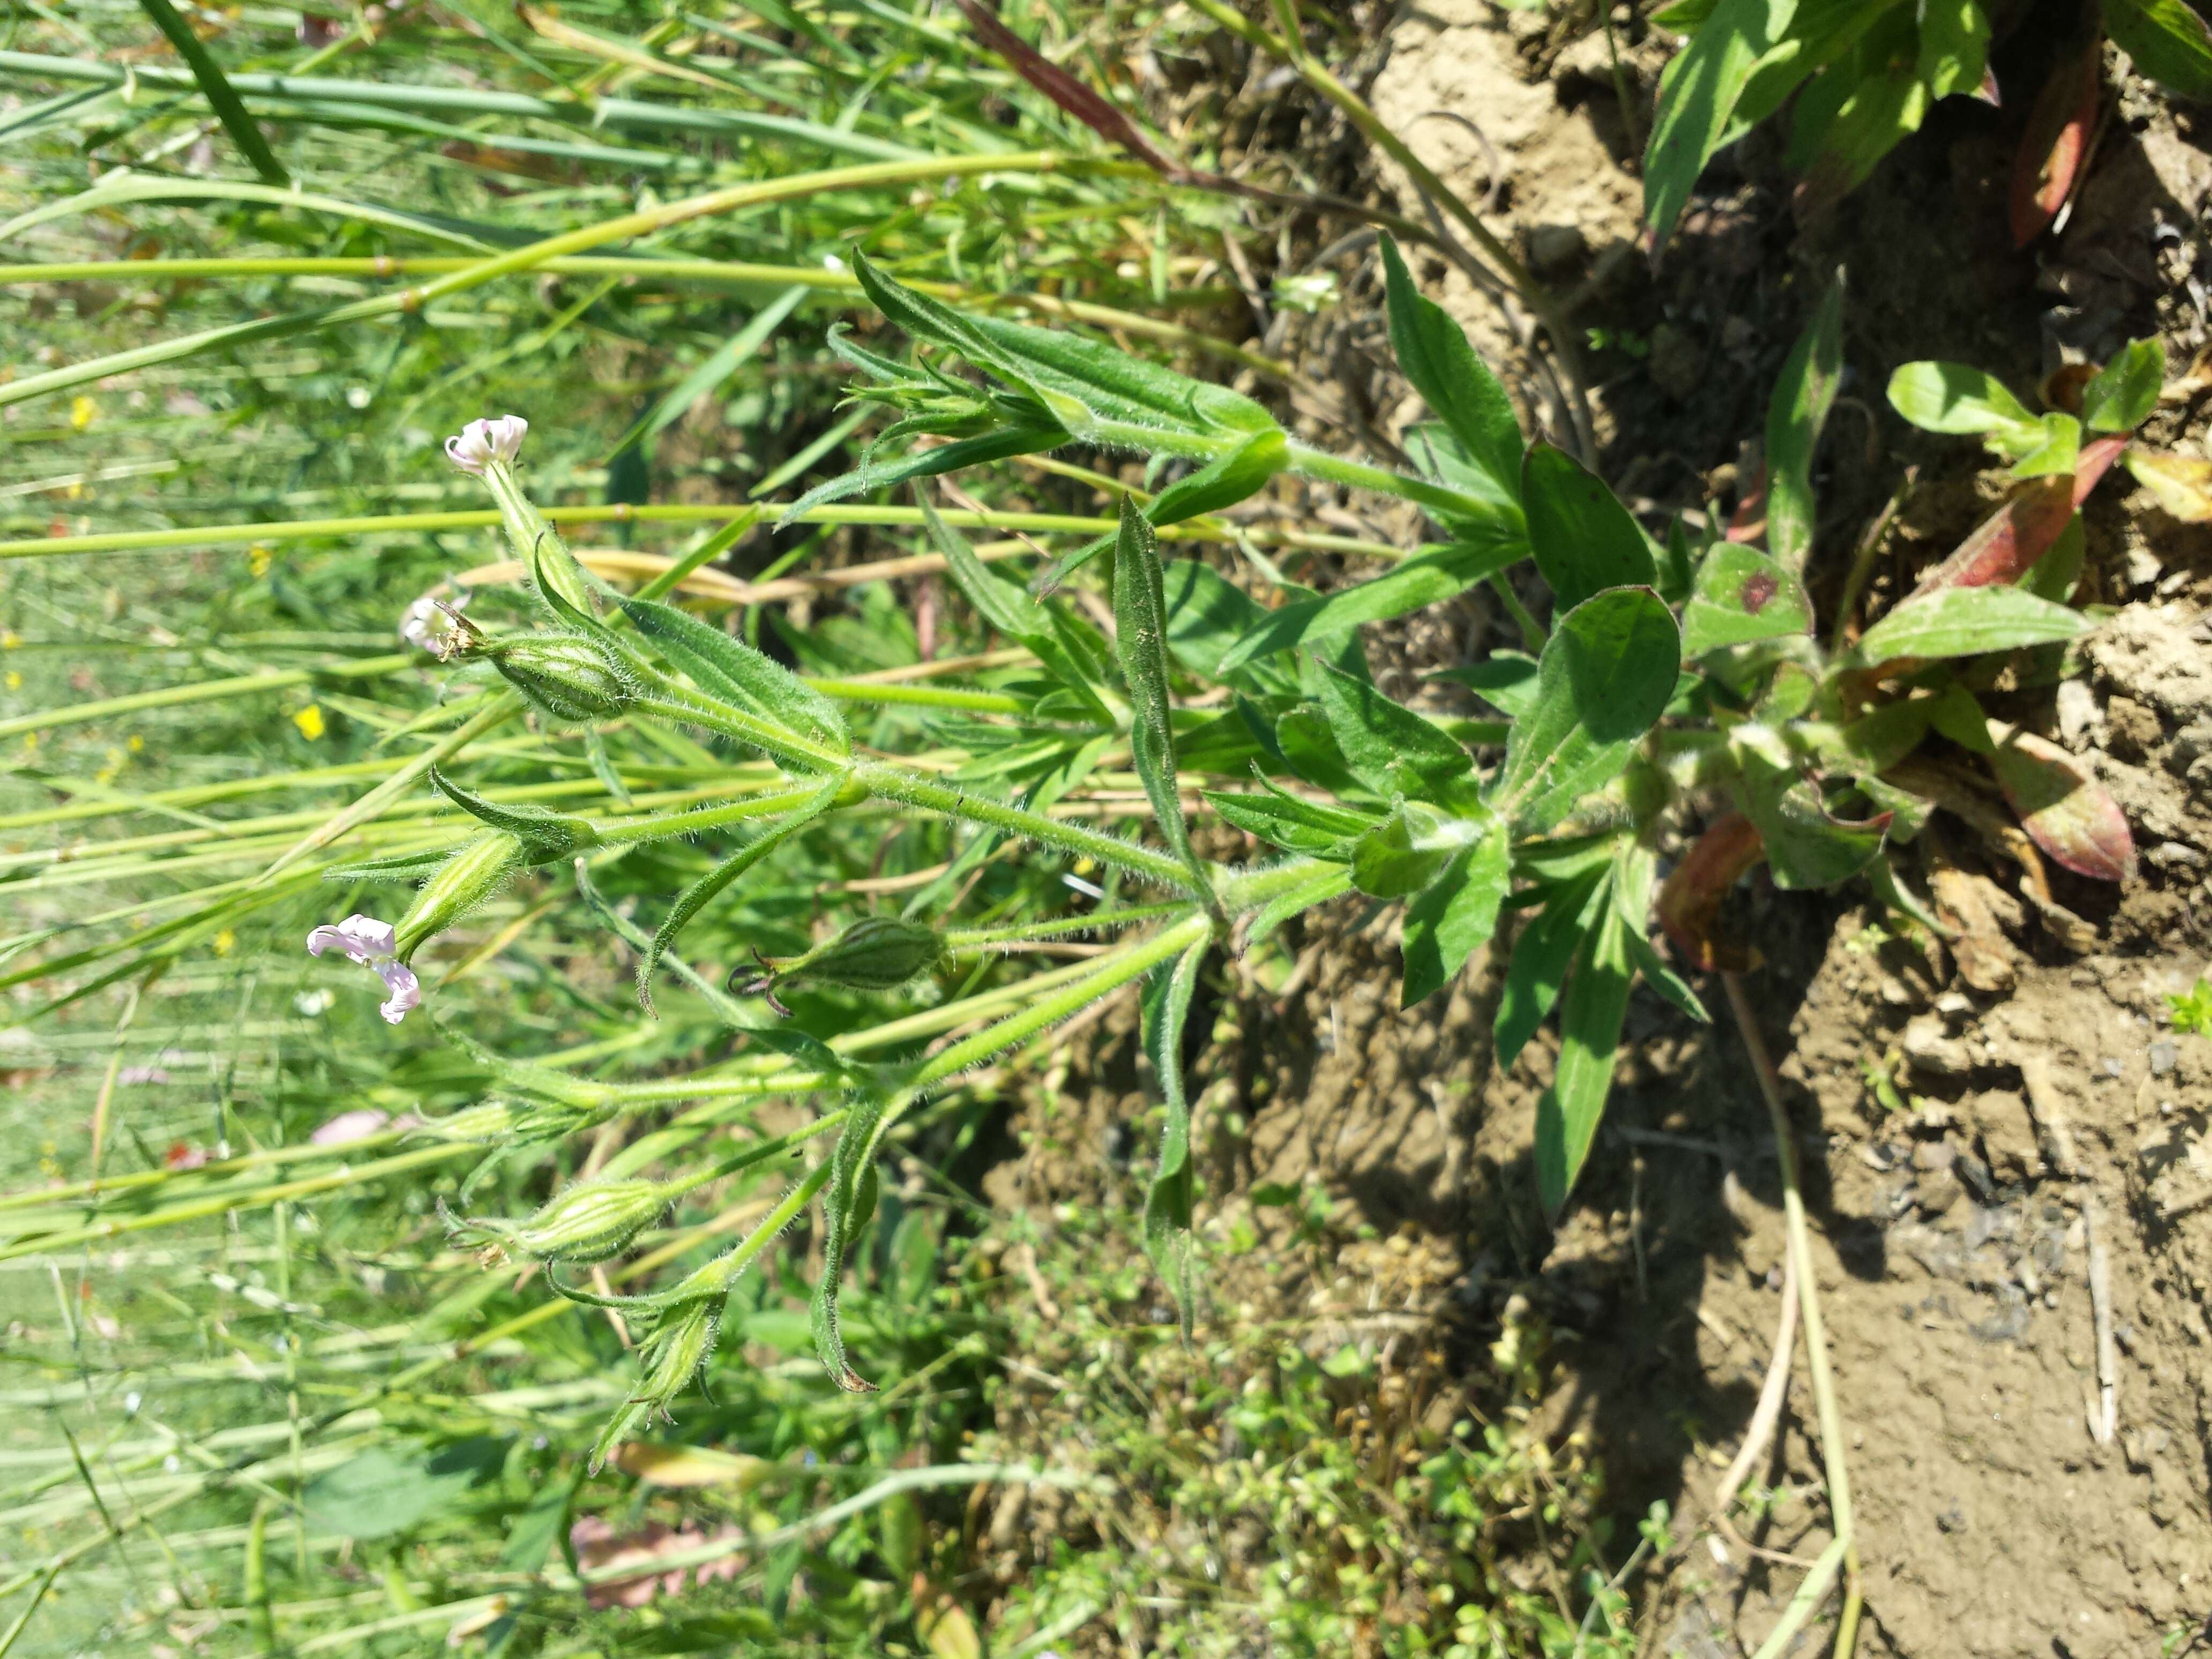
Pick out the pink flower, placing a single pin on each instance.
(371, 943)
(350, 1126)
(480, 443)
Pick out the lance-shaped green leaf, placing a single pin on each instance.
(1807, 845)
(1965, 621)
(1455, 914)
(1604, 678)
(703, 891)
(544, 835)
(1741, 596)
(1568, 1115)
(1414, 583)
(1794, 419)
(1537, 969)
(397, 866)
(1858, 112)
(2126, 389)
(848, 1199)
(1434, 354)
(1009, 607)
(1634, 870)
(1140, 640)
(1023, 438)
(1222, 482)
(1310, 749)
(229, 109)
(1584, 540)
(729, 669)
(1287, 822)
(1168, 1206)
(1326, 884)
(1697, 98)
(1389, 747)
(1097, 392)
(1954, 47)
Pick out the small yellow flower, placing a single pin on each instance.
(14, 681)
(136, 745)
(310, 721)
(223, 941)
(258, 557)
(9, 639)
(30, 743)
(82, 412)
(1085, 866)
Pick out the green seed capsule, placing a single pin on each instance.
(591, 1222)
(878, 953)
(679, 1345)
(463, 882)
(567, 675)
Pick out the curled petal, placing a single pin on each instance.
(480, 443)
(406, 990)
(362, 938)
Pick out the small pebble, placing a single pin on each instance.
(2164, 1055)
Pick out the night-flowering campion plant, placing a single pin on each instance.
(1675, 716)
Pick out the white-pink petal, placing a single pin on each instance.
(361, 938)
(480, 443)
(350, 1126)
(406, 990)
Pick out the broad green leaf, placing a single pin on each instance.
(542, 1528)
(1697, 98)
(1455, 914)
(1954, 47)
(2056, 445)
(1939, 397)
(1425, 579)
(1295, 825)
(1168, 1206)
(847, 1200)
(1807, 847)
(2126, 390)
(1506, 680)
(1965, 621)
(1389, 747)
(1208, 615)
(1742, 596)
(1540, 955)
(1584, 540)
(1433, 353)
(1405, 853)
(229, 109)
(2059, 572)
(386, 1489)
(729, 668)
(1140, 639)
(1310, 749)
(1590, 1015)
(703, 891)
(1794, 418)
(2168, 40)
(1605, 677)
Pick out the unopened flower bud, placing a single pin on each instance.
(679, 1345)
(590, 1222)
(463, 882)
(567, 675)
(878, 953)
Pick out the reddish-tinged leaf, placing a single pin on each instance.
(2004, 544)
(1690, 898)
(2057, 141)
(2066, 812)
(2181, 485)
(1748, 522)
(1077, 100)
